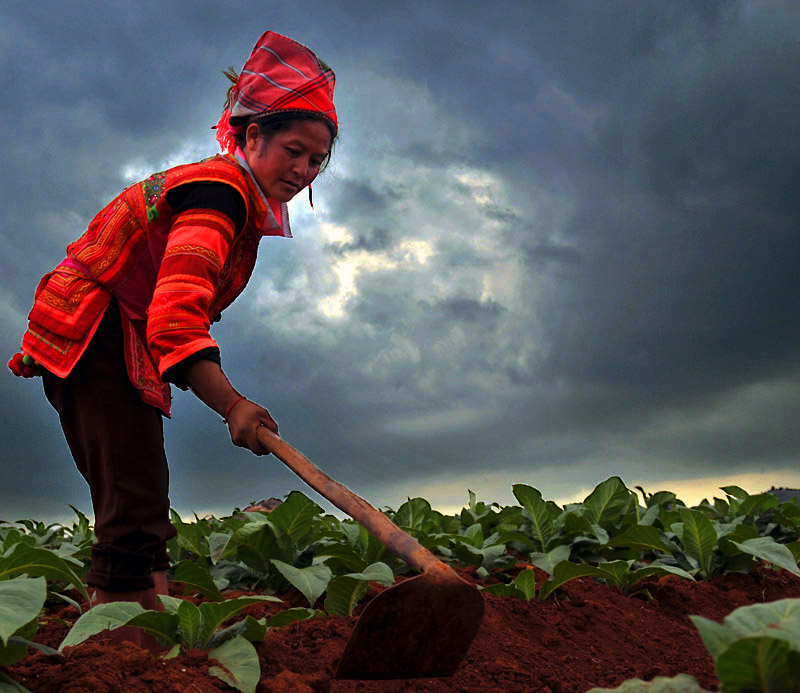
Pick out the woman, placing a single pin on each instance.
(128, 311)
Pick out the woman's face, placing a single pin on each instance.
(290, 160)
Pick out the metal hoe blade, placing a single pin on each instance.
(420, 628)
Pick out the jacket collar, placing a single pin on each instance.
(272, 217)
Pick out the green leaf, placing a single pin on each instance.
(311, 581)
(640, 537)
(617, 572)
(345, 591)
(238, 664)
(44, 649)
(566, 571)
(548, 561)
(17, 647)
(352, 533)
(413, 513)
(468, 554)
(13, 537)
(165, 627)
(525, 582)
(735, 532)
(255, 544)
(780, 619)
(251, 629)
(506, 536)
(650, 516)
(216, 613)
(9, 685)
(196, 576)
(501, 589)
(345, 553)
(190, 536)
(600, 534)
(699, 538)
(173, 652)
(474, 535)
(40, 562)
(682, 683)
(217, 542)
(662, 498)
(716, 637)
(295, 516)
(494, 555)
(191, 624)
(794, 549)
(473, 499)
(83, 527)
(735, 491)
(607, 501)
(757, 664)
(536, 509)
(375, 549)
(722, 507)
(757, 504)
(21, 600)
(756, 647)
(289, 616)
(767, 549)
(99, 618)
(171, 604)
(653, 569)
(377, 572)
(65, 598)
(343, 594)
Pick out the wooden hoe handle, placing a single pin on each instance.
(398, 542)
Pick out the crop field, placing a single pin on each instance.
(625, 585)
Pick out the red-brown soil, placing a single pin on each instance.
(587, 635)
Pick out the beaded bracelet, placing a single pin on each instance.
(233, 404)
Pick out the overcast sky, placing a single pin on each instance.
(558, 241)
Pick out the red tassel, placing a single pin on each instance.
(224, 134)
(310, 197)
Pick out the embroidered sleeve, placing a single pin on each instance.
(178, 319)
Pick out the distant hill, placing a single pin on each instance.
(785, 494)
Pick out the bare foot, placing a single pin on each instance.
(148, 600)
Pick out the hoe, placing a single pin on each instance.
(419, 628)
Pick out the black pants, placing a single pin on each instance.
(117, 442)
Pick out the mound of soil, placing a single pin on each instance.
(586, 635)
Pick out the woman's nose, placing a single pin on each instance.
(300, 167)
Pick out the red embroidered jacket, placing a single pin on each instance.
(170, 274)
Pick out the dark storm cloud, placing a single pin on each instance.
(468, 310)
(688, 230)
(369, 239)
(546, 253)
(359, 197)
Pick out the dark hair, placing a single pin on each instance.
(271, 124)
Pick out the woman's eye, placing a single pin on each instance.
(292, 151)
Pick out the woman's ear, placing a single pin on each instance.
(251, 137)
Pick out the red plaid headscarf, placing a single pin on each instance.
(280, 75)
